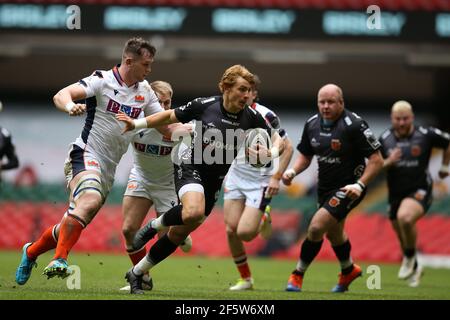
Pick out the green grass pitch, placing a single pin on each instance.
(201, 278)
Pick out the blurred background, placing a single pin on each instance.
(377, 51)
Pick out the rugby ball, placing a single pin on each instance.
(254, 138)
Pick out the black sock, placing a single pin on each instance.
(409, 252)
(173, 216)
(161, 250)
(342, 252)
(309, 250)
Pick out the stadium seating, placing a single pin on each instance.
(371, 235)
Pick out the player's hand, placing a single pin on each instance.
(353, 191)
(273, 187)
(129, 123)
(395, 155)
(443, 172)
(77, 110)
(288, 175)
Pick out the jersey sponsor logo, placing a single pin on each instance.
(115, 107)
(236, 124)
(92, 163)
(329, 160)
(153, 149)
(416, 151)
(336, 144)
(334, 202)
(314, 143)
(139, 98)
(116, 92)
(132, 186)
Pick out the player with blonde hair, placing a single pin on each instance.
(407, 150)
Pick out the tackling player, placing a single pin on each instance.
(95, 154)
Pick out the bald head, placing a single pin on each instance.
(330, 101)
(402, 118)
(402, 106)
(332, 89)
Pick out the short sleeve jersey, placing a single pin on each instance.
(340, 149)
(411, 171)
(107, 94)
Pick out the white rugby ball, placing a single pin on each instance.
(255, 137)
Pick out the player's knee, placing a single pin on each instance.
(246, 235)
(315, 232)
(405, 220)
(231, 230)
(193, 213)
(89, 205)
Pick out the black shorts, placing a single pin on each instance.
(337, 204)
(422, 195)
(212, 183)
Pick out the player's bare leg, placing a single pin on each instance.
(87, 195)
(409, 212)
(233, 210)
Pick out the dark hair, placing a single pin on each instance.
(135, 46)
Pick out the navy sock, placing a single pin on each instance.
(309, 250)
(161, 250)
(173, 217)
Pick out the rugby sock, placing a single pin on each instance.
(409, 253)
(342, 252)
(173, 217)
(158, 252)
(136, 256)
(309, 251)
(242, 266)
(69, 233)
(46, 242)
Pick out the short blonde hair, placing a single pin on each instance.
(402, 106)
(162, 87)
(230, 76)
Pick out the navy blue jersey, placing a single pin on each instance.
(341, 148)
(411, 171)
(218, 134)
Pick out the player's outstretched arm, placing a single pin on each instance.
(64, 100)
(155, 120)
